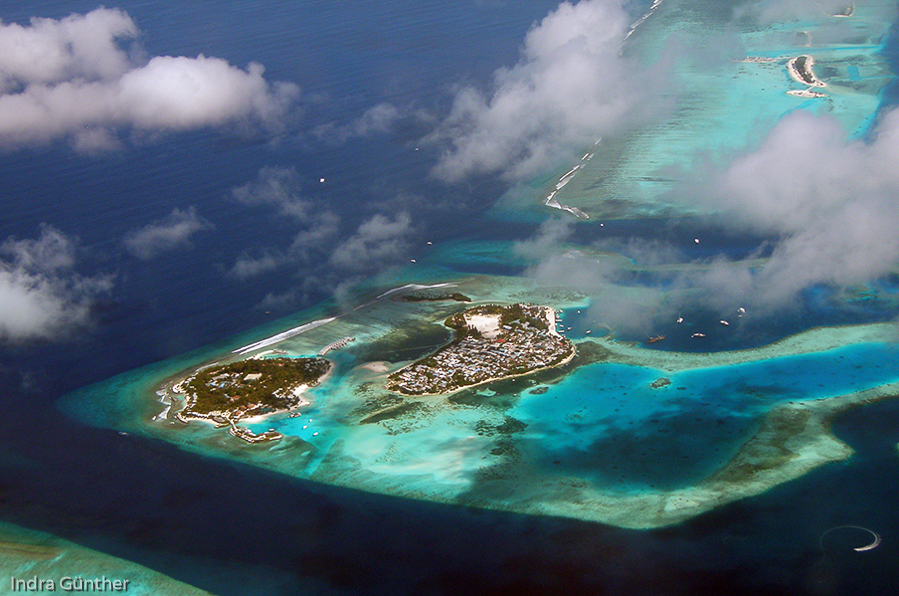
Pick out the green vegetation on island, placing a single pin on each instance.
(492, 342)
(434, 297)
(245, 388)
(802, 70)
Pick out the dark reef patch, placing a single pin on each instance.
(392, 413)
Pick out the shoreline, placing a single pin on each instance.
(490, 328)
(807, 75)
(809, 444)
(297, 391)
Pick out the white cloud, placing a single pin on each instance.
(275, 187)
(614, 303)
(279, 188)
(41, 296)
(71, 78)
(376, 120)
(830, 202)
(48, 51)
(550, 233)
(248, 266)
(378, 242)
(571, 86)
(322, 228)
(173, 231)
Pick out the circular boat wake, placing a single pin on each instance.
(843, 539)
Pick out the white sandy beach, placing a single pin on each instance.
(810, 79)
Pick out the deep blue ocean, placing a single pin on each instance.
(161, 507)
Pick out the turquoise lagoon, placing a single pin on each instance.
(605, 438)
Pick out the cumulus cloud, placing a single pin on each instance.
(378, 242)
(829, 201)
(571, 86)
(826, 202)
(41, 296)
(73, 78)
(173, 231)
(247, 265)
(322, 227)
(376, 120)
(550, 233)
(48, 51)
(277, 187)
(615, 301)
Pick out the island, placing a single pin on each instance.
(800, 69)
(492, 342)
(229, 393)
(435, 297)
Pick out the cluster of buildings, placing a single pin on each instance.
(519, 348)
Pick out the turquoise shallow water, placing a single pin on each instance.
(608, 423)
(604, 423)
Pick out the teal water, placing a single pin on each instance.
(603, 423)
(608, 423)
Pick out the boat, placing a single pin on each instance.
(655, 338)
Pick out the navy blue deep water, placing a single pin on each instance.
(149, 502)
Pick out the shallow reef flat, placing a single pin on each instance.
(25, 554)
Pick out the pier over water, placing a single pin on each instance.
(336, 345)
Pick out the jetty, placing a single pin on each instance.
(336, 345)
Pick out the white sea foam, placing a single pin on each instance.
(641, 20)
(410, 287)
(567, 177)
(312, 325)
(162, 415)
(282, 336)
